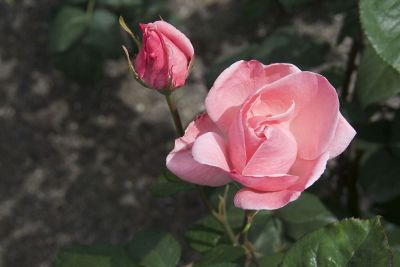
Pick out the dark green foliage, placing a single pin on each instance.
(94, 256)
(381, 20)
(148, 249)
(154, 249)
(82, 39)
(168, 184)
(376, 79)
(347, 243)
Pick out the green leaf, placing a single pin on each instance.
(154, 249)
(396, 258)
(379, 175)
(381, 23)
(266, 234)
(169, 176)
(221, 254)
(355, 113)
(94, 256)
(304, 215)
(82, 63)
(271, 260)
(350, 242)
(205, 234)
(374, 132)
(104, 23)
(168, 184)
(376, 80)
(68, 27)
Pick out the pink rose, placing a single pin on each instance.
(270, 128)
(164, 57)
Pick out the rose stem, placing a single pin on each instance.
(243, 235)
(223, 219)
(90, 8)
(175, 114)
(179, 129)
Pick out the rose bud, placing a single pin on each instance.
(270, 128)
(164, 57)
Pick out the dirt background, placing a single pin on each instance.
(76, 161)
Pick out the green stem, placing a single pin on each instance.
(219, 216)
(229, 231)
(90, 8)
(243, 237)
(175, 114)
(223, 218)
(247, 221)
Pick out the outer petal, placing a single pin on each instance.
(177, 63)
(209, 149)
(236, 83)
(266, 183)
(200, 125)
(316, 111)
(151, 64)
(184, 166)
(180, 160)
(177, 37)
(255, 200)
(309, 171)
(343, 136)
(275, 155)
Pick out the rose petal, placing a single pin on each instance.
(343, 135)
(184, 166)
(275, 155)
(210, 149)
(180, 160)
(266, 183)
(177, 37)
(241, 133)
(273, 117)
(316, 111)
(236, 83)
(255, 200)
(177, 64)
(309, 171)
(151, 64)
(201, 124)
(236, 145)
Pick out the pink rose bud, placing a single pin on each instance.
(270, 128)
(165, 56)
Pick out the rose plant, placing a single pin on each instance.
(269, 131)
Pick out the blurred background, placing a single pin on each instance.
(81, 142)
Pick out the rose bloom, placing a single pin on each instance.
(270, 128)
(164, 57)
